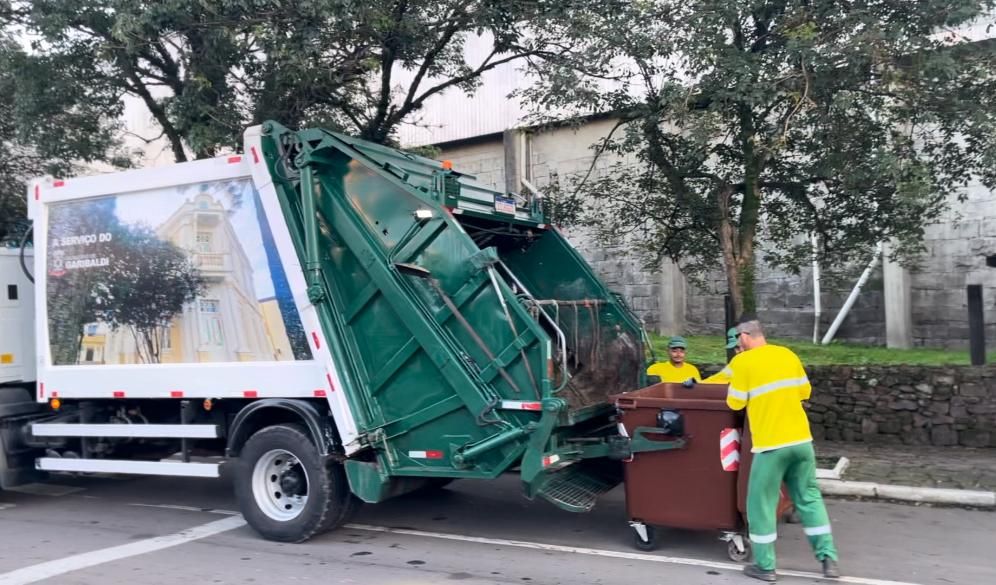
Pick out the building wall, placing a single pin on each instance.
(558, 156)
(954, 256)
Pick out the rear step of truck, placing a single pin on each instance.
(577, 487)
(145, 431)
(128, 466)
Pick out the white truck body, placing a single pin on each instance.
(17, 322)
(236, 339)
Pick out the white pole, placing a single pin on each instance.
(854, 295)
(817, 308)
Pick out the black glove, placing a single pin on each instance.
(689, 383)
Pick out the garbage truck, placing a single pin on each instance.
(333, 320)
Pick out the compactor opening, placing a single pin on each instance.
(594, 338)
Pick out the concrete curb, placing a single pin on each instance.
(838, 487)
(837, 470)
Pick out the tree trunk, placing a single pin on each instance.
(728, 246)
(750, 212)
(738, 255)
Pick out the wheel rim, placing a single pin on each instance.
(280, 485)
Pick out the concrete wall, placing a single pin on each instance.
(557, 156)
(954, 256)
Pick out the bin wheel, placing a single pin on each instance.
(286, 491)
(737, 555)
(646, 545)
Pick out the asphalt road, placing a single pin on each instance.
(99, 531)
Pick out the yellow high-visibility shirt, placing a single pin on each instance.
(668, 373)
(721, 377)
(771, 383)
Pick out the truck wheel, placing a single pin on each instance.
(287, 491)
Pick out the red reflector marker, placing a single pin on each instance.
(176, 393)
(234, 159)
(118, 394)
(331, 385)
(433, 454)
(59, 183)
(318, 344)
(250, 394)
(37, 192)
(320, 393)
(255, 155)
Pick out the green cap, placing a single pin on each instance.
(677, 341)
(731, 338)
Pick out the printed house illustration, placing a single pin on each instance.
(226, 322)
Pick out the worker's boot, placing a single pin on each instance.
(759, 573)
(830, 568)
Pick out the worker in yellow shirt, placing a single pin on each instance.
(726, 374)
(676, 369)
(770, 382)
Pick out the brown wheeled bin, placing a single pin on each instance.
(684, 487)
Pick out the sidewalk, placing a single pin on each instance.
(963, 468)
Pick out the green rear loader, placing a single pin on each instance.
(470, 338)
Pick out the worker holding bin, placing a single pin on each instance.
(770, 382)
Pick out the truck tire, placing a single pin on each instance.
(287, 491)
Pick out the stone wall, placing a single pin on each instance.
(909, 405)
(938, 406)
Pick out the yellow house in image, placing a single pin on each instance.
(226, 322)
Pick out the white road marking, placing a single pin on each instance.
(613, 554)
(46, 489)
(187, 508)
(51, 569)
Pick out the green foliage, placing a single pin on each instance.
(206, 70)
(744, 126)
(50, 122)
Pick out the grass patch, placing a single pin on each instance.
(706, 349)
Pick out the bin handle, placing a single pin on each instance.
(625, 403)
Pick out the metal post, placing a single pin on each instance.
(976, 326)
(854, 295)
(186, 411)
(817, 307)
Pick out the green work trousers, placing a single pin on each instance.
(796, 467)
